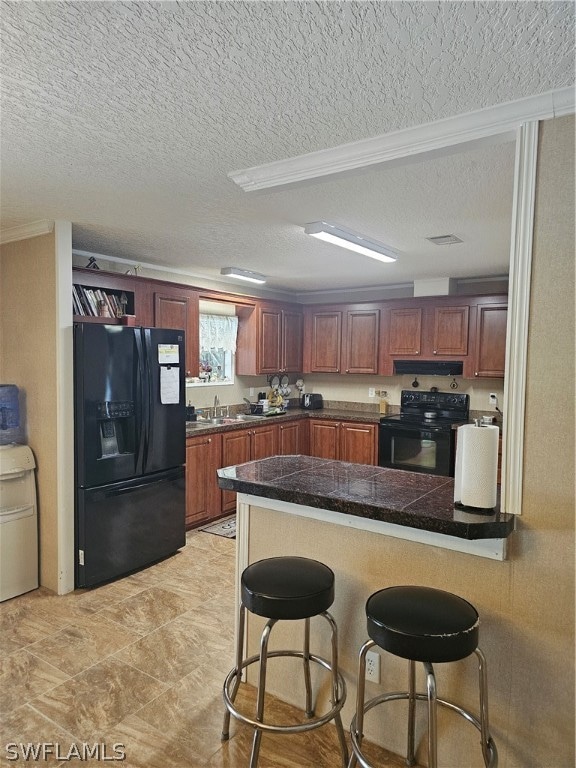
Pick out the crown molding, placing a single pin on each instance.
(36, 228)
(489, 125)
(200, 281)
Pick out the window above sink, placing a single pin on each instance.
(218, 333)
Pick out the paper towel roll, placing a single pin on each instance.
(476, 470)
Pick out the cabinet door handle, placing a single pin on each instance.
(435, 352)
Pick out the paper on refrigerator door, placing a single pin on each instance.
(168, 354)
(169, 385)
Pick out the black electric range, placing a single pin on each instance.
(421, 437)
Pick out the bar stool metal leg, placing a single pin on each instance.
(306, 658)
(239, 658)
(487, 743)
(335, 691)
(410, 759)
(264, 639)
(432, 721)
(358, 726)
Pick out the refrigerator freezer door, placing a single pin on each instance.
(127, 425)
(165, 400)
(125, 526)
(108, 396)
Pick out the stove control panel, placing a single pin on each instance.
(437, 399)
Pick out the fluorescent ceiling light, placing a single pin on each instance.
(243, 274)
(351, 240)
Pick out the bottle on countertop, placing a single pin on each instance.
(190, 412)
(383, 402)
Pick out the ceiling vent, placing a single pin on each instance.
(444, 239)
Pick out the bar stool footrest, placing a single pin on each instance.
(313, 723)
(488, 750)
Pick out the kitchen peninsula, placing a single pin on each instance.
(376, 527)
(381, 500)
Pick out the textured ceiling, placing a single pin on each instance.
(125, 118)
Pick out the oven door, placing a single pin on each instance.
(417, 449)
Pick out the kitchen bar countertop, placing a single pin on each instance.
(410, 499)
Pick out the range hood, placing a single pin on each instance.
(429, 367)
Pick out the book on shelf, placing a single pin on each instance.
(86, 301)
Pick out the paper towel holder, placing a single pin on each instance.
(460, 492)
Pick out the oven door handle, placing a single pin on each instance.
(413, 428)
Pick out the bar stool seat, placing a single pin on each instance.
(286, 589)
(430, 626)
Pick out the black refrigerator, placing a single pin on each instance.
(130, 443)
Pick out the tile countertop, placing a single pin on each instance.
(411, 499)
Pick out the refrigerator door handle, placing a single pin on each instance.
(132, 488)
(149, 392)
(142, 402)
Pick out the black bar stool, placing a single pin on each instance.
(427, 625)
(286, 588)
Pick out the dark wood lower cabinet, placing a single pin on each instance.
(347, 441)
(203, 496)
(244, 445)
(293, 438)
(344, 441)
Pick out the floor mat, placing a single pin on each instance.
(225, 527)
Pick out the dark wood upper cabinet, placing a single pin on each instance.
(444, 328)
(179, 308)
(322, 341)
(269, 339)
(292, 329)
(490, 347)
(405, 331)
(360, 353)
(451, 331)
(363, 338)
(342, 340)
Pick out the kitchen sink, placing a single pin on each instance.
(220, 420)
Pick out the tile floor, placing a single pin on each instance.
(139, 663)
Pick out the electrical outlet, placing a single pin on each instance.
(371, 392)
(251, 391)
(493, 399)
(373, 666)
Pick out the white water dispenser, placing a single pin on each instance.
(18, 521)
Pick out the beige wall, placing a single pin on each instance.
(527, 602)
(34, 351)
(28, 359)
